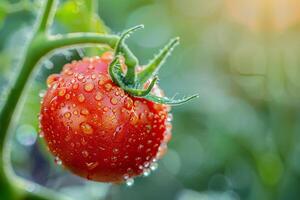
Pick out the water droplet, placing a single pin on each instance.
(62, 92)
(108, 87)
(114, 100)
(129, 182)
(128, 103)
(153, 166)
(80, 76)
(42, 93)
(69, 72)
(92, 165)
(91, 67)
(83, 141)
(115, 150)
(114, 159)
(133, 118)
(100, 82)
(85, 153)
(107, 56)
(86, 128)
(88, 87)
(81, 98)
(68, 138)
(67, 115)
(170, 117)
(146, 172)
(75, 86)
(138, 158)
(57, 161)
(67, 96)
(52, 78)
(98, 96)
(41, 134)
(126, 176)
(140, 147)
(168, 128)
(146, 164)
(94, 76)
(118, 130)
(85, 111)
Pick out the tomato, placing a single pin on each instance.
(96, 129)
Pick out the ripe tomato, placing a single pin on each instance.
(97, 130)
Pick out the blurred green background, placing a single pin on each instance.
(239, 140)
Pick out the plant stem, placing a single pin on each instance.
(47, 15)
(81, 38)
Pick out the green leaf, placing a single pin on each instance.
(3, 14)
(125, 35)
(169, 101)
(154, 65)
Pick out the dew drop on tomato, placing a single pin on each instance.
(146, 172)
(57, 160)
(129, 182)
(85, 153)
(81, 98)
(84, 111)
(114, 100)
(88, 87)
(42, 93)
(98, 96)
(153, 166)
(86, 128)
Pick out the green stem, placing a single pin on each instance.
(47, 15)
(71, 39)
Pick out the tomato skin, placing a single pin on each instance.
(97, 130)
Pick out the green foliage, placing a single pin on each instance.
(76, 16)
(3, 14)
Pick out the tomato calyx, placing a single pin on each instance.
(142, 83)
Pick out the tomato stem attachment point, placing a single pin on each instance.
(134, 83)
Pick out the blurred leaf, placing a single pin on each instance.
(76, 16)
(3, 14)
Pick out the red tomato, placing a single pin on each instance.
(97, 130)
